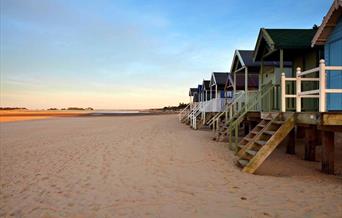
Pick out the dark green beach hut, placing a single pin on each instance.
(288, 47)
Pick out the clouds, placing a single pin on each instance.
(152, 50)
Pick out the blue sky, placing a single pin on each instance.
(123, 54)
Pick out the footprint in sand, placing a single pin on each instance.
(45, 178)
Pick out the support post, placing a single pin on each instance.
(328, 152)
(298, 90)
(246, 127)
(310, 143)
(281, 62)
(216, 94)
(236, 136)
(283, 92)
(234, 84)
(230, 132)
(246, 87)
(291, 143)
(322, 80)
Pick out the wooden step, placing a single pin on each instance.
(254, 132)
(261, 142)
(247, 139)
(240, 145)
(269, 132)
(243, 162)
(279, 122)
(261, 125)
(267, 147)
(251, 152)
(267, 118)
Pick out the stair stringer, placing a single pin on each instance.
(249, 145)
(269, 147)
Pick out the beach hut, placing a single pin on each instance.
(206, 89)
(184, 115)
(193, 94)
(217, 91)
(310, 95)
(329, 35)
(245, 72)
(210, 101)
(285, 46)
(207, 114)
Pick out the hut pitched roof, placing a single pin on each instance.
(206, 84)
(283, 39)
(328, 24)
(192, 91)
(244, 58)
(218, 78)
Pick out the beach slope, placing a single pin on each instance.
(148, 166)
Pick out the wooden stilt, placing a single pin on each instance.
(291, 142)
(246, 128)
(319, 139)
(310, 143)
(328, 152)
(250, 125)
(300, 132)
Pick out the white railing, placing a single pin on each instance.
(184, 112)
(228, 107)
(317, 93)
(231, 109)
(193, 115)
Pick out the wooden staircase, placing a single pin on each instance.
(208, 117)
(184, 114)
(228, 111)
(255, 147)
(223, 126)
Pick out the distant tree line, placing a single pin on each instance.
(179, 107)
(73, 108)
(50, 109)
(13, 108)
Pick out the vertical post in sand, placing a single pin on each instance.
(310, 143)
(328, 152)
(291, 143)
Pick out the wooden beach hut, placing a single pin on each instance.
(217, 95)
(207, 114)
(285, 46)
(329, 35)
(217, 92)
(245, 72)
(184, 115)
(206, 89)
(307, 87)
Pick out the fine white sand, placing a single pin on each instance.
(149, 166)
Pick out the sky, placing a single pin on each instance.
(129, 54)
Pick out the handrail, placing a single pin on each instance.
(314, 70)
(185, 108)
(234, 124)
(318, 93)
(182, 112)
(227, 108)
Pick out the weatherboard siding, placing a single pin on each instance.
(333, 57)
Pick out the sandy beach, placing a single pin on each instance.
(149, 166)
